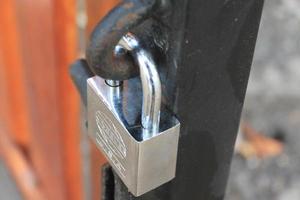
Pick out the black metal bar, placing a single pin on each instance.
(210, 66)
(80, 72)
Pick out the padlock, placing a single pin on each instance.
(126, 120)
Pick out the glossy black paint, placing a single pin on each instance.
(205, 79)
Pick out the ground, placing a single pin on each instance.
(273, 107)
(8, 189)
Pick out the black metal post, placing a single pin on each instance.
(209, 64)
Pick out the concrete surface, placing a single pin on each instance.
(273, 107)
(8, 189)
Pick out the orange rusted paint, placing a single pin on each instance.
(13, 80)
(96, 10)
(65, 34)
(39, 106)
(38, 48)
(44, 40)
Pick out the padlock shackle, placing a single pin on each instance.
(151, 85)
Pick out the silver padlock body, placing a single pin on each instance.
(143, 164)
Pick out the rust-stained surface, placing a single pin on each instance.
(106, 35)
(128, 5)
(122, 21)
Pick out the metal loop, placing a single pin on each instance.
(151, 85)
(109, 31)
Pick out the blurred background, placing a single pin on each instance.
(268, 167)
(44, 154)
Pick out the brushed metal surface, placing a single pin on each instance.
(114, 116)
